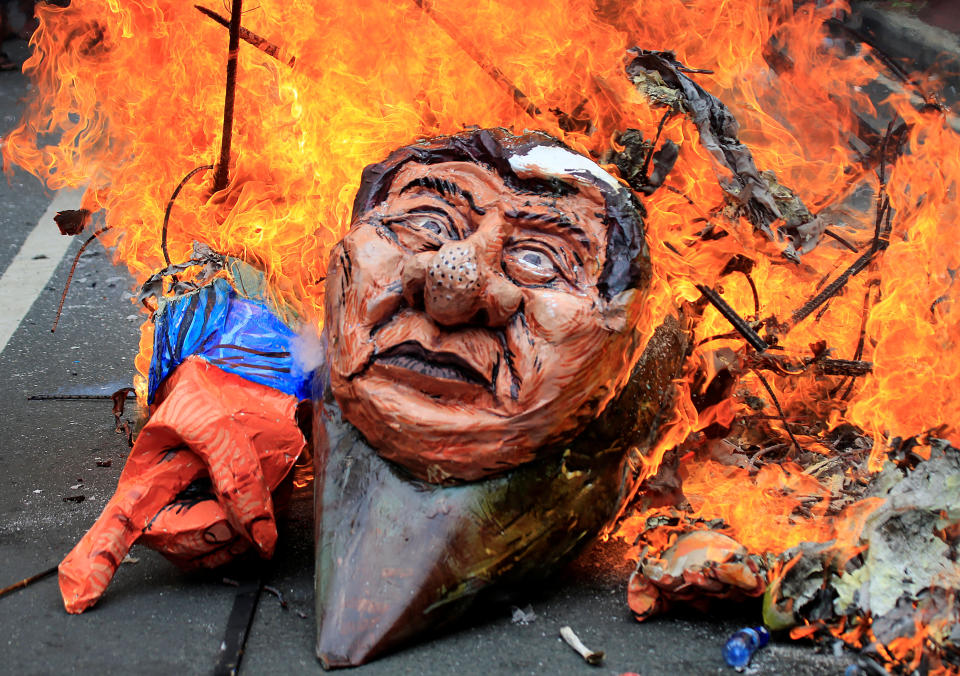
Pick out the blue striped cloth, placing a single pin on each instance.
(239, 335)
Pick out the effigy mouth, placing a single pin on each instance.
(412, 356)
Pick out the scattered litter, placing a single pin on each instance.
(38, 491)
(104, 463)
(592, 657)
(71, 221)
(130, 559)
(74, 498)
(302, 615)
(699, 563)
(742, 645)
(119, 401)
(523, 616)
(276, 592)
(76, 486)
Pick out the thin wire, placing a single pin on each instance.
(73, 268)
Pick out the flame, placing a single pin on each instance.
(129, 99)
(778, 491)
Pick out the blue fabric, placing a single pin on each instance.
(240, 336)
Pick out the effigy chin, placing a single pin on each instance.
(488, 386)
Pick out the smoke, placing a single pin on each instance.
(308, 348)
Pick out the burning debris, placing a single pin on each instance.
(698, 564)
(882, 580)
(890, 590)
(810, 253)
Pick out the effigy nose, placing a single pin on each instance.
(453, 285)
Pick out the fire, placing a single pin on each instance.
(740, 511)
(129, 100)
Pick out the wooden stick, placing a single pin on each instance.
(277, 52)
(521, 99)
(222, 177)
(251, 38)
(26, 582)
(845, 367)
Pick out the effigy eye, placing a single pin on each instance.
(418, 232)
(530, 265)
(431, 223)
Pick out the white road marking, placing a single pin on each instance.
(34, 264)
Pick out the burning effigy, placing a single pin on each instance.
(516, 277)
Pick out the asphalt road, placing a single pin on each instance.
(155, 619)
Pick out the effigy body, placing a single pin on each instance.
(485, 394)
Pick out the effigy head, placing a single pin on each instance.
(482, 307)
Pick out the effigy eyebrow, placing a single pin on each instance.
(557, 221)
(444, 187)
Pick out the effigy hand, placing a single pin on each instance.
(197, 485)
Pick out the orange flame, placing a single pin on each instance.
(129, 100)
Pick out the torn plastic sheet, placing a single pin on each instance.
(202, 255)
(237, 334)
(699, 564)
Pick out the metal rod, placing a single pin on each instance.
(75, 397)
(834, 287)
(73, 269)
(830, 233)
(776, 402)
(238, 626)
(222, 177)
